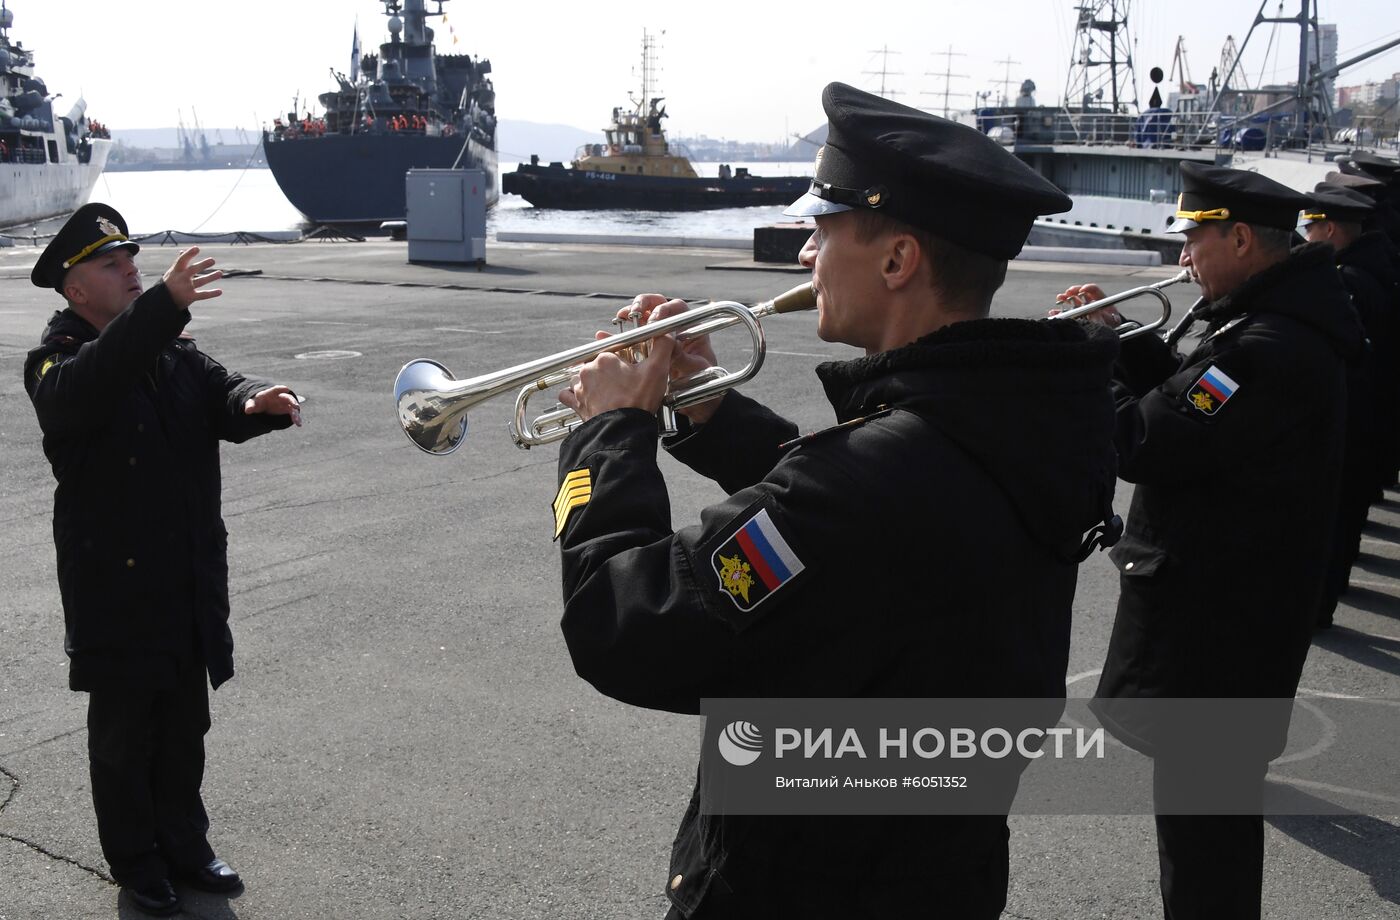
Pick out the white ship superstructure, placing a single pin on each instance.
(48, 162)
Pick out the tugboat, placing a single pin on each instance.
(48, 165)
(407, 107)
(636, 168)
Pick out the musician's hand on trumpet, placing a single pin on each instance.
(1080, 294)
(610, 381)
(694, 356)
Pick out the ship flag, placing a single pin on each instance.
(355, 53)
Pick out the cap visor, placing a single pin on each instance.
(810, 205)
(1181, 225)
(116, 244)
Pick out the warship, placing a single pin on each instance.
(48, 163)
(407, 107)
(637, 168)
(1120, 162)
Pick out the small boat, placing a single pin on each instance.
(638, 169)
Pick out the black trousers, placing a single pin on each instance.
(1211, 866)
(146, 759)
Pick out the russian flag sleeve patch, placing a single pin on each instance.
(1211, 391)
(755, 562)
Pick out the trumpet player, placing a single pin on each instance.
(1236, 450)
(917, 548)
(1366, 263)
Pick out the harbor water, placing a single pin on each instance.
(228, 200)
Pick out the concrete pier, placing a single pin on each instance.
(405, 736)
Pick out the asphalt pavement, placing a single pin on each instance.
(405, 736)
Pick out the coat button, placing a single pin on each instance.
(131, 563)
(676, 882)
(140, 427)
(1128, 567)
(131, 461)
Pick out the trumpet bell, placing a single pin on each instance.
(433, 422)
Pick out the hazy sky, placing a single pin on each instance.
(749, 71)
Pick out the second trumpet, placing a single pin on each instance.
(433, 406)
(1130, 330)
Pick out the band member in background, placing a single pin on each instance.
(1365, 261)
(1387, 172)
(1236, 452)
(925, 546)
(132, 415)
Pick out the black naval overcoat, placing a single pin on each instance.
(931, 538)
(132, 420)
(1236, 453)
(1370, 269)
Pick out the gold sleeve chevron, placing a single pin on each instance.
(574, 492)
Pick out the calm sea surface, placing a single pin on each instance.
(224, 200)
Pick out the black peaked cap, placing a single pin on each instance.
(1215, 193)
(935, 174)
(1374, 189)
(1333, 202)
(93, 229)
(1379, 167)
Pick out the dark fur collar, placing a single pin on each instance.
(981, 343)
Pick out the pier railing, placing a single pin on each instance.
(1162, 129)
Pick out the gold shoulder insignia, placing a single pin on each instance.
(881, 412)
(49, 362)
(574, 492)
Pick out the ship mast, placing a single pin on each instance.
(1311, 98)
(650, 70)
(1101, 40)
(413, 49)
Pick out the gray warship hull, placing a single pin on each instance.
(357, 180)
(35, 191)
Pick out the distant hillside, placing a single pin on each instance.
(805, 148)
(516, 140)
(170, 137)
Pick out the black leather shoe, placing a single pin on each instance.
(157, 899)
(217, 877)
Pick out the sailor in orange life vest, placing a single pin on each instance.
(132, 413)
(854, 561)
(1236, 451)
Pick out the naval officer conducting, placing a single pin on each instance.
(925, 546)
(132, 414)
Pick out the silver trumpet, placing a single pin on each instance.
(1147, 290)
(433, 405)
